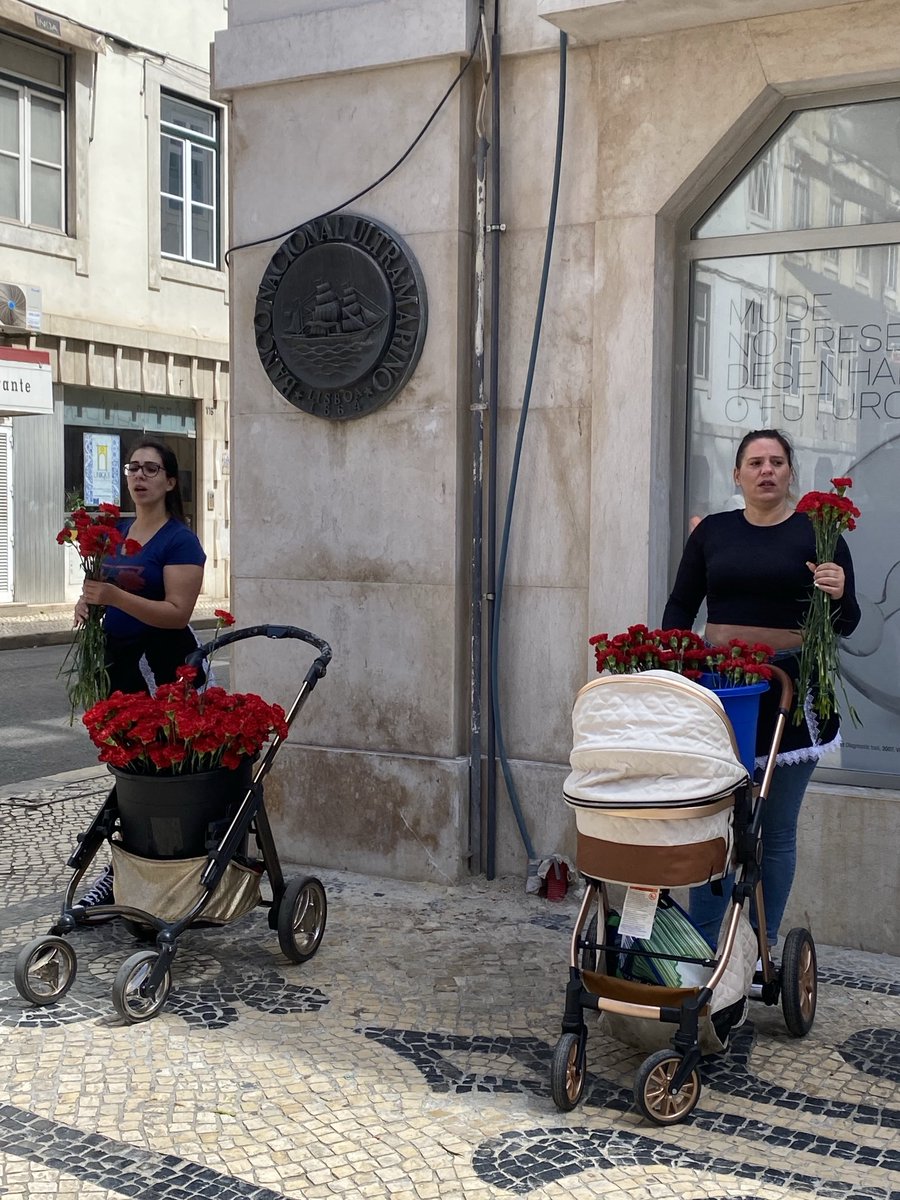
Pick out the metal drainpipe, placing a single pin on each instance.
(495, 228)
(477, 410)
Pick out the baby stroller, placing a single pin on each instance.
(160, 897)
(662, 800)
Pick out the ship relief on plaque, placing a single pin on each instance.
(341, 316)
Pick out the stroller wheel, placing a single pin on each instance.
(651, 1089)
(45, 970)
(799, 982)
(301, 918)
(131, 999)
(567, 1072)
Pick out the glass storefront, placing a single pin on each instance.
(100, 427)
(806, 339)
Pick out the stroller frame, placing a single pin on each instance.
(667, 1085)
(45, 968)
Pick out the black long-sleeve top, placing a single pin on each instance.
(754, 575)
(757, 575)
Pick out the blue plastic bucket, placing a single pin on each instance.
(741, 706)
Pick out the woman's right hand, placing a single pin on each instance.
(81, 611)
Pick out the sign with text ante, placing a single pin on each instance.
(26, 382)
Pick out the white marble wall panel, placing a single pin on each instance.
(550, 531)
(847, 881)
(335, 136)
(549, 822)
(542, 665)
(367, 501)
(829, 47)
(621, 461)
(608, 19)
(659, 116)
(564, 368)
(380, 814)
(395, 682)
(338, 39)
(528, 139)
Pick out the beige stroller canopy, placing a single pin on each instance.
(650, 739)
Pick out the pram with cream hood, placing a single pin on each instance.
(662, 800)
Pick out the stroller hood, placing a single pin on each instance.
(650, 738)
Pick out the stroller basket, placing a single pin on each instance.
(660, 814)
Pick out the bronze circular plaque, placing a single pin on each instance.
(341, 316)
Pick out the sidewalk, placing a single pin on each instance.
(408, 1059)
(24, 625)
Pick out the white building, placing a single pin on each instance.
(113, 226)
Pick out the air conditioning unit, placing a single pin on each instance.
(20, 309)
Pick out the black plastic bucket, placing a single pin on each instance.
(168, 816)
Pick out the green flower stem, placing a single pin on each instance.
(84, 667)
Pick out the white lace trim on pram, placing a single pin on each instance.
(810, 753)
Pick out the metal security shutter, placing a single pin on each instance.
(6, 581)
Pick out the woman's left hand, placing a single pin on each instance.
(829, 578)
(97, 592)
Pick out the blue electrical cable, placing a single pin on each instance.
(510, 500)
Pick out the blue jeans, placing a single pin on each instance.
(779, 842)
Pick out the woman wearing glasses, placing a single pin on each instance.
(148, 597)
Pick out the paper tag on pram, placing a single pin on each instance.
(638, 912)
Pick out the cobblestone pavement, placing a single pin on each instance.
(407, 1059)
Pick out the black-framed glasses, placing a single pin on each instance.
(149, 468)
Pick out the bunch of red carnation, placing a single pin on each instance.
(832, 514)
(180, 730)
(95, 536)
(831, 508)
(684, 652)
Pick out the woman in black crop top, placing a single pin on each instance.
(755, 569)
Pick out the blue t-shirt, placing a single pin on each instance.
(142, 573)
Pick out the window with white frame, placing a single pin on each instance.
(800, 200)
(864, 253)
(32, 134)
(750, 337)
(890, 270)
(189, 181)
(701, 330)
(762, 187)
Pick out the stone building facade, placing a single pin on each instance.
(680, 172)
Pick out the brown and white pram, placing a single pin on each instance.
(662, 800)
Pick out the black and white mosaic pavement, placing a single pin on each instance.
(408, 1059)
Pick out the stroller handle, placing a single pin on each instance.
(196, 657)
(787, 690)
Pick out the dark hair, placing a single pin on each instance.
(174, 503)
(755, 435)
